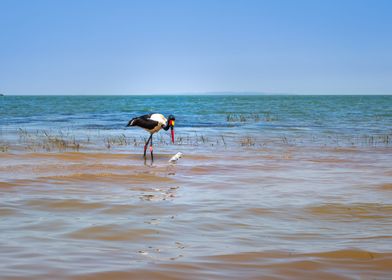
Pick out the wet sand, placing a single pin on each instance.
(244, 213)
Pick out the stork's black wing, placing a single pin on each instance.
(143, 122)
(145, 117)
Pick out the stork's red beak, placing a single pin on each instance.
(172, 134)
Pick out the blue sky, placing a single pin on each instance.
(193, 46)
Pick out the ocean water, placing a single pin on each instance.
(269, 187)
(318, 120)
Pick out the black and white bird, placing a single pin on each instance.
(153, 123)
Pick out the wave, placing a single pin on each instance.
(357, 210)
(113, 233)
(342, 264)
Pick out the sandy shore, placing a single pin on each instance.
(272, 213)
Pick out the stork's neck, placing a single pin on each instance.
(167, 126)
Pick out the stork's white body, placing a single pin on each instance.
(161, 122)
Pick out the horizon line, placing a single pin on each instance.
(216, 93)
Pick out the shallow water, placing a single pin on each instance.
(247, 200)
(249, 213)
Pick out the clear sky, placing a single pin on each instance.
(192, 46)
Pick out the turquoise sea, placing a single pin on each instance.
(298, 120)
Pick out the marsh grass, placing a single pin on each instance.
(248, 141)
(4, 147)
(378, 139)
(48, 140)
(64, 141)
(120, 140)
(250, 117)
(284, 140)
(233, 117)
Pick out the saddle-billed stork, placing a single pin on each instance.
(153, 123)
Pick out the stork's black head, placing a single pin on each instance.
(171, 120)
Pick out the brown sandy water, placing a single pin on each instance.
(258, 213)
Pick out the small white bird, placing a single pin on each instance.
(175, 157)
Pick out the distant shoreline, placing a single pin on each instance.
(204, 94)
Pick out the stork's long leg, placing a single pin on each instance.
(145, 146)
(151, 149)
